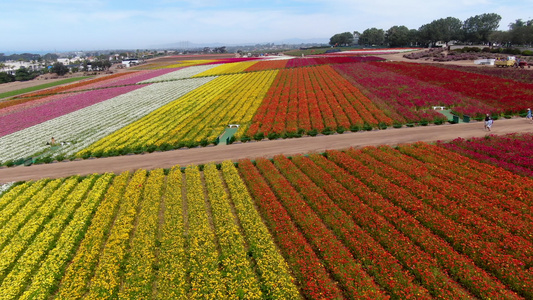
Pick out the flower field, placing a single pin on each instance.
(416, 221)
(200, 115)
(512, 152)
(87, 125)
(190, 103)
(313, 98)
(501, 95)
(139, 235)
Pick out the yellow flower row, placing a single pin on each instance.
(12, 208)
(106, 280)
(171, 280)
(139, 273)
(12, 194)
(45, 240)
(176, 119)
(241, 280)
(188, 63)
(236, 105)
(206, 281)
(74, 282)
(29, 219)
(201, 114)
(227, 68)
(166, 120)
(43, 282)
(275, 278)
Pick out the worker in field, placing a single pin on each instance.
(488, 122)
(529, 117)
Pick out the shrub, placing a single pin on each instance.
(98, 153)
(273, 136)
(397, 125)
(232, 139)
(259, 136)
(151, 148)
(341, 129)
(438, 122)
(410, 125)
(424, 123)
(165, 147)
(9, 163)
(354, 128)
(527, 53)
(367, 127)
(204, 142)
(382, 126)
(312, 132)
(327, 131)
(245, 139)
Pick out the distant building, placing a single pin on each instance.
(130, 62)
(11, 66)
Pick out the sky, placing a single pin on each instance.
(85, 25)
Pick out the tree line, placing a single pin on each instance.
(479, 29)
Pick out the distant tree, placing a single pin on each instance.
(516, 24)
(522, 35)
(477, 29)
(521, 32)
(50, 56)
(372, 36)
(441, 30)
(23, 74)
(341, 39)
(500, 37)
(6, 77)
(414, 38)
(397, 36)
(59, 68)
(220, 49)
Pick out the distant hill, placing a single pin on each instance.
(190, 45)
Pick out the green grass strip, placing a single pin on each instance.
(41, 86)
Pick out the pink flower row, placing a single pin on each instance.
(35, 115)
(134, 78)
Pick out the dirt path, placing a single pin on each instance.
(265, 148)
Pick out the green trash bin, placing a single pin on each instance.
(455, 119)
(466, 119)
(28, 162)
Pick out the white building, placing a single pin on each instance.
(11, 66)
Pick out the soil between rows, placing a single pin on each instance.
(265, 148)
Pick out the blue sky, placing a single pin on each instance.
(42, 25)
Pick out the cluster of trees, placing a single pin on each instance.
(480, 29)
(21, 74)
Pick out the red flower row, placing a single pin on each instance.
(306, 266)
(313, 98)
(336, 257)
(451, 180)
(461, 267)
(455, 227)
(340, 210)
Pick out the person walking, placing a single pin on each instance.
(529, 115)
(488, 122)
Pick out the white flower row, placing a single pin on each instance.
(87, 125)
(181, 74)
(4, 187)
